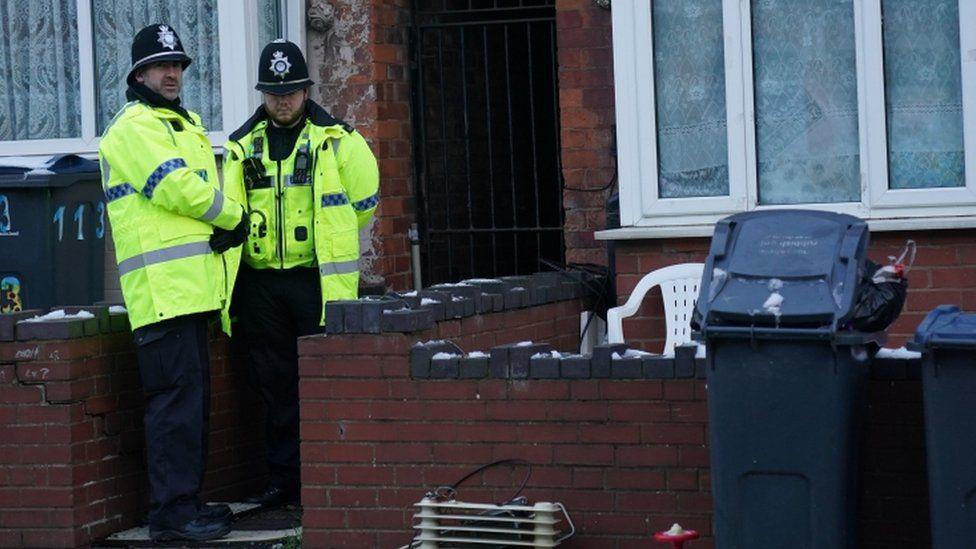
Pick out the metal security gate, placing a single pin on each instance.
(486, 145)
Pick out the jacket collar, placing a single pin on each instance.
(314, 114)
(139, 92)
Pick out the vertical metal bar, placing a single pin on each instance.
(467, 147)
(491, 159)
(557, 156)
(535, 162)
(421, 160)
(444, 142)
(511, 147)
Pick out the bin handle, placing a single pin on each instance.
(941, 343)
(751, 332)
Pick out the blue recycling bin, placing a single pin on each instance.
(52, 233)
(947, 341)
(786, 378)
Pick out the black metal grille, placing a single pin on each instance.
(487, 137)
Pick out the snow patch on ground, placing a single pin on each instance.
(117, 310)
(524, 344)
(444, 356)
(428, 301)
(477, 354)
(550, 354)
(59, 314)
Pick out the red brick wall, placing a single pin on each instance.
(72, 465)
(390, 73)
(944, 272)
(626, 457)
(583, 40)
(370, 88)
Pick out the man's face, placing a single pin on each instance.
(285, 109)
(164, 78)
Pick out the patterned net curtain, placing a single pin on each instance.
(805, 82)
(39, 95)
(805, 88)
(689, 91)
(195, 21)
(924, 94)
(115, 22)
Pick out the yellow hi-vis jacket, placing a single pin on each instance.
(164, 199)
(306, 210)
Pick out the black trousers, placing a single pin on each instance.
(174, 363)
(275, 307)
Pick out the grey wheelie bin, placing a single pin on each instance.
(785, 378)
(52, 233)
(947, 341)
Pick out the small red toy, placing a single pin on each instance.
(676, 536)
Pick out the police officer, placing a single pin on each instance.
(311, 184)
(171, 221)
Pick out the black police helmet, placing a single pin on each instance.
(282, 69)
(153, 44)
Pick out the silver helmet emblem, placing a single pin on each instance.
(280, 64)
(166, 37)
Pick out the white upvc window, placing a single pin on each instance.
(64, 62)
(865, 107)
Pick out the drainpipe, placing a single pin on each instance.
(414, 237)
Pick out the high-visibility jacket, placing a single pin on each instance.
(164, 199)
(306, 210)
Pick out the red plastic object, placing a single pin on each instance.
(676, 541)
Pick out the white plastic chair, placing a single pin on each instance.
(679, 288)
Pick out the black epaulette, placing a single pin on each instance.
(321, 117)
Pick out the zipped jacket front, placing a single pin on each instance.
(306, 209)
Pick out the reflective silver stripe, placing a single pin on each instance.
(335, 146)
(106, 172)
(215, 207)
(339, 267)
(181, 251)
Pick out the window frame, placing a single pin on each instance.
(239, 52)
(640, 205)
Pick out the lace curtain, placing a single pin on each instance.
(805, 83)
(269, 24)
(923, 94)
(115, 22)
(39, 96)
(689, 89)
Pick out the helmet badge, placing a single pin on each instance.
(166, 37)
(280, 64)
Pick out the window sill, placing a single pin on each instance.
(700, 230)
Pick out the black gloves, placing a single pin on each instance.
(222, 240)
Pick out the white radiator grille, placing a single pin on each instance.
(455, 524)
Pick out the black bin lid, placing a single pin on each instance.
(946, 327)
(783, 268)
(55, 171)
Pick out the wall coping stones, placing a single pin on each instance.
(408, 312)
(8, 322)
(529, 360)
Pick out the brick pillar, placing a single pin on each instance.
(358, 51)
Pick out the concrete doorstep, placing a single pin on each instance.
(252, 527)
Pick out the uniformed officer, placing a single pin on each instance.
(170, 222)
(311, 184)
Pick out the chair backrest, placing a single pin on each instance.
(679, 296)
(679, 288)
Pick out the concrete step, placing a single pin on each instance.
(252, 528)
